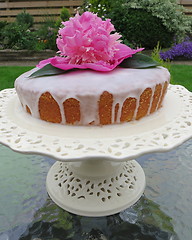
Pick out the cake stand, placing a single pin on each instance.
(95, 174)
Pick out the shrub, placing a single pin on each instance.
(141, 28)
(25, 18)
(156, 57)
(47, 33)
(167, 15)
(18, 37)
(65, 14)
(183, 49)
(2, 25)
(101, 7)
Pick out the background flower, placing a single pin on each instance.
(183, 49)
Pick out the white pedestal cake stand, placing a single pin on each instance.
(95, 174)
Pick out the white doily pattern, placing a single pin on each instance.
(100, 188)
(161, 131)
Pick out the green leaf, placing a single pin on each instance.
(47, 70)
(139, 60)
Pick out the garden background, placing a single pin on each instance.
(28, 31)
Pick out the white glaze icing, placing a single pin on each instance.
(86, 86)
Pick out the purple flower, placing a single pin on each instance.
(183, 49)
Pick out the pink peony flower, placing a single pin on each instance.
(86, 42)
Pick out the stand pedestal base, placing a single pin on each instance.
(95, 188)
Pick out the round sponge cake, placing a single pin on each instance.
(84, 97)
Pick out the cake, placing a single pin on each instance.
(86, 97)
(96, 90)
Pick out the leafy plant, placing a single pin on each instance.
(65, 14)
(156, 57)
(140, 27)
(2, 25)
(47, 33)
(25, 18)
(169, 12)
(154, 20)
(18, 36)
(101, 7)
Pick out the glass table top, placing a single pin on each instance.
(163, 212)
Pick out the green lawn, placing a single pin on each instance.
(9, 74)
(181, 74)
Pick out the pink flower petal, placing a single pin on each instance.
(43, 63)
(63, 63)
(125, 51)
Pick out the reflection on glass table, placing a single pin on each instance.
(163, 212)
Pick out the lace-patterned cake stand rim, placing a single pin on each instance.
(162, 131)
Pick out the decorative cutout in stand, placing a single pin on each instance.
(94, 176)
(119, 186)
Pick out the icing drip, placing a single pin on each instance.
(151, 100)
(87, 86)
